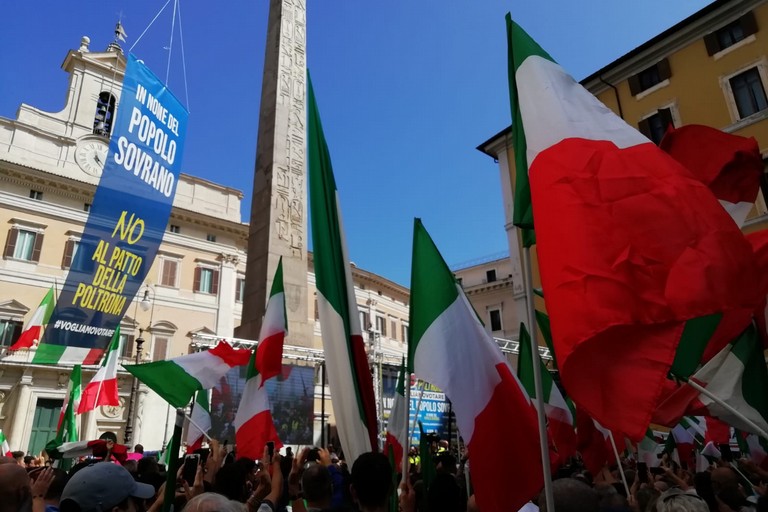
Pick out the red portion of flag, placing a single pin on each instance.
(510, 407)
(759, 242)
(594, 448)
(630, 247)
(365, 387)
(269, 357)
(27, 338)
(728, 164)
(397, 450)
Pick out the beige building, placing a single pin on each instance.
(710, 69)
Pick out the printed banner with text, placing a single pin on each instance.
(126, 223)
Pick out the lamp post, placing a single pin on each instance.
(147, 303)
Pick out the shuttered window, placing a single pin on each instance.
(160, 349)
(23, 244)
(730, 34)
(649, 77)
(206, 280)
(169, 272)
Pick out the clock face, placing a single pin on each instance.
(91, 157)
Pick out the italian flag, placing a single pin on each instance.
(447, 340)
(631, 247)
(253, 422)
(648, 450)
(201, 415)
(349, 375)
(274, 328)
(103, 389)
(34, 329)
(397, 427)
(755, 447)
(177, 379)
(594, 443)
(5, 447)
(730, 165)
(66, 429)
(560, 417)
(96, 448)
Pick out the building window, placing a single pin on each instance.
(173, 228)
(381, 325)
(649, 77)
(70, 250)
(206, 280)
(169, 272)
(365, 321)
(36, 194)
(87, 207)
(210, 237)
(404, 331)
(240, 290)
(490, 275)
(23, 244)
(105, 113)
(10, 330)
(495, 315)
(160, 348)
(393, 325)
(730, 34)
(654, 127)
(127, 346)
(748, 92)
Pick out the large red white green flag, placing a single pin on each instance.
(349, 375)
(66, 429)
(103, 389)
(254, 426)
(34, 329)
(635, 254)
(274, 328)
(177, 379)
(446, 341)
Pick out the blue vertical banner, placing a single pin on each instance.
(126, 223)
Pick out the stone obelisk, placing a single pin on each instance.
(278, 225)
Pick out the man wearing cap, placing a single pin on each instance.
(103, 487)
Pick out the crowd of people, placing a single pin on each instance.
(316, 480)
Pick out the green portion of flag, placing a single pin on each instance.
(545, 328)
(433, 287)
(693, 342)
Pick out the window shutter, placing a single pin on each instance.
(38, 247)
(666, 117)
(128, 346)
(196, 285)
(664, 69)
(169, 272)
(645, 127)
(10, 244)
(215, 282)
(748, 24)
(634, 85)
(160, 349)
(68, 250)
(712, 44)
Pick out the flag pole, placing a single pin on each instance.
(173, 463)
(618, 462)
(543, 445)
(192, 422)
(719, 401)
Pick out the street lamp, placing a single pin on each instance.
(147, 303)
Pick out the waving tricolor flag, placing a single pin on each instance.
(274, 327)
(253, 421)
(66, 429)
(5, 447)
(633, 250)
(349, 375)
(448, 340)
(177, 379)
(103, 390)
(34, 329)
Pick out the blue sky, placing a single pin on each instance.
(406, 90)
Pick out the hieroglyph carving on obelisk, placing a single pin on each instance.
(278, 224)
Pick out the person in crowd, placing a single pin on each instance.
(371, 482)
(677, 500)
(571, 495)
(53, 496)
(103, 487)
(212, 502)
(15, 488)
(445, 495)
(30, 461)
(19, 456)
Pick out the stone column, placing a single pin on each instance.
(19, 434)
(225, 313)
(278, 224)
